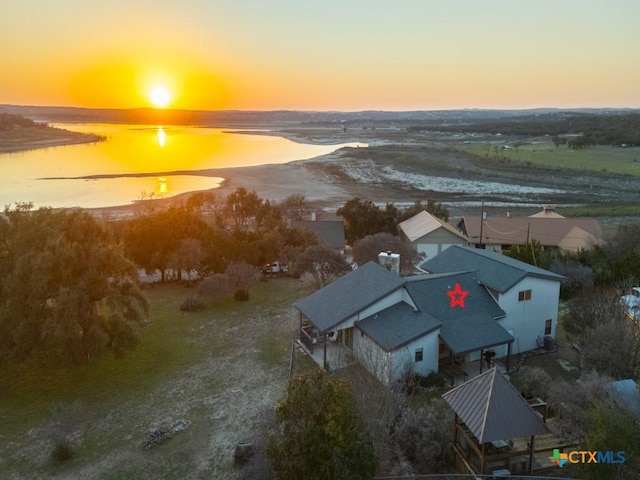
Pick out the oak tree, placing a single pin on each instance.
(322, 436)
(67, 292)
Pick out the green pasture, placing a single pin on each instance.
(604, 159)
(171, 343)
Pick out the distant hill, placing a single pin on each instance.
(241, 118)
(19, 133)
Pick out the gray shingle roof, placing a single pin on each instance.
(464, 329)
(492, 409)
(397, 325)
(493, 269)
(348, 295)
(328, 232)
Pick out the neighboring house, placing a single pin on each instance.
(393, 325)
(527, 294)
(328, 232)
(548, 228)
(429, 234)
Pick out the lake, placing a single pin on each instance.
(57, 176)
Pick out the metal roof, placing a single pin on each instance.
(491, 407)
(348, 295)
(493, 269)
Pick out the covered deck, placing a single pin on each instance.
(328, 351)
(525, 455)
(497, 431)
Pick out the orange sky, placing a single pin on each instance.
(329, 55)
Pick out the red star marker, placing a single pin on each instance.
(457, 296)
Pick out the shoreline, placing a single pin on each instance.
(272, 182)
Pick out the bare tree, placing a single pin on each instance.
(242, 276)
(295, 207)
(424, 437)
(571, 403)
(215, 286)
(368, 249)
(610, 341)
(322, 262)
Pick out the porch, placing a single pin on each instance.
(461, 357)
(328, 351)
(457, 369)
(524, 456)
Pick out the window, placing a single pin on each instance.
(419, 354)
(547, 327)
(524, 295)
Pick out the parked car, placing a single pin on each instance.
(275, 267)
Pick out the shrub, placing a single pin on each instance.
(535, 382)
(424, 437)
(192, 304)
(61, 452)
(241, 295)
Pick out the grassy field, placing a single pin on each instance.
(596, 159)
(215, 368)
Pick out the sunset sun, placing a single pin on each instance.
(160, 96)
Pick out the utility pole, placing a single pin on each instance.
(481, 222)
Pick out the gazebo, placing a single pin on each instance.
(491, 419)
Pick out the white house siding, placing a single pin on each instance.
(391, 366)
(405, 356)
(526, 319)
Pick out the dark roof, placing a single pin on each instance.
(348, 295)
(473, 332)
(397, 325)
(329, 233)
(493, 269)
(552, 232)
(491, 407)
(464, 329)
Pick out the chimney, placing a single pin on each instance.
(390, 260)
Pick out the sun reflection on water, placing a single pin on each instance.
(162, 136)
(162, 185)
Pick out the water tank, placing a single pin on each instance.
(548, 343)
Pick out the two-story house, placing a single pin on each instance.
(528, 295)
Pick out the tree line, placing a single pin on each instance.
(597, 129)
(69, 286)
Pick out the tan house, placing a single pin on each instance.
(546, 227)
(429, 234)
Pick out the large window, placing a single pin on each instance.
(419, 354)
(524, 295)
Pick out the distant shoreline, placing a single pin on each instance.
(25, 139)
